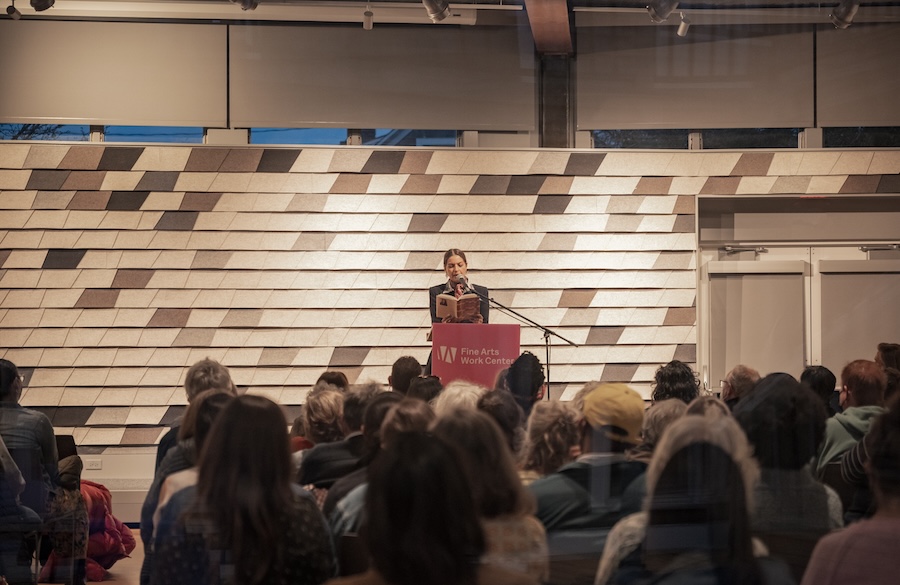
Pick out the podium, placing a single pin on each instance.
(472, 351)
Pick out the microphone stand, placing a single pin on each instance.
(525, 320)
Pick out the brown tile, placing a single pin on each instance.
(384, 162)
(619, 373)
(247, 318)
(97, 298)
(604, 335)
(194, 338)
(574, 297)
(348, 357)
(619, 223)
(140, 436)
(47, 180)
(85, 180)
(525, 184)
(200, 201)
(351, 183)
(241, 160)
(721, 186)
(681, 316)
(684, 224)
(158, 181)
(584, 163)
(120, 158)
(170, 318)
(416, 161)
(70, 416)
(673, 261)
(421, 184)
(685, 204)
(4, 254)
(577, 317)
(63, 259)
(624, 203)
(861, 184)
(128, 278)
(552, 204)
(313, 241)
(420, 261)
(82, 158)
(52, 199)
(558, 242)
(278, 356)
(686, 352)
(889, 184)
(653, 186)
(177, 221)
(557, 186)
(173, 415)
(277, 160)
(427, 222)
(753, 164)
(210, 259)
(89, 200)
(205, 159)
(490, 185)
(127, 200)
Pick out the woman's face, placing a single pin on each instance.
(455, 267)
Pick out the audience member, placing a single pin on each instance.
(299, 442)
(893, 384)
(324, 412)
(457, 393)
(862, 392)
(866, 552)
(888, 355)
(675, 380)
(425, 388)
(515, 539)
(738, 383)
(502, 407)
(423, 525)
(656, 419)
(552, 439)
(501, 382)
(525, 380)
(588, 492)
(821, 381)
(17, 520)
(402, 373)
(244, 522)
(333, 378)
(708, 406)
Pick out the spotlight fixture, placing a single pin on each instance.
(367, 18)
(42, 5)
(659, 10)
(13, 12)
(683, 26)
(245, 4)
(843, 13)
(438, 10)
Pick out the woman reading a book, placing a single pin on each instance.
(457, 300)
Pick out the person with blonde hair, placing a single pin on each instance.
(551, 439)
(458, 393)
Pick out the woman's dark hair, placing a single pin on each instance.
(201, 414)
(502, 407)
(784, 420)
(422, 525)
(524, 379)
(478, 442)
(373, 417)
(335, 378)
(701, 492)
(884, 459)
(425, 388)
(8, 374)
(820, 380)
(244, 484)
(893, 384)
(454, 252)
(890, 355)
(675, 380)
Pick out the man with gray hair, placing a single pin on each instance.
(738, 383)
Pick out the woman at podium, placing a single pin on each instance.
(458, 300)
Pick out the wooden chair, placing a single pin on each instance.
(353, 558)
(833, 479)
(793, 548)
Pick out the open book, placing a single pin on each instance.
(464, 308)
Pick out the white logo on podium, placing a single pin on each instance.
(448, 354)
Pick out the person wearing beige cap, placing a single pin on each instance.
(595, 490)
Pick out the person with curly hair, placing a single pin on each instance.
(675, 380)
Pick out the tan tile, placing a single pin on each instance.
(750, 185)
(23, 200)
(155, 396)
(163, 201)
(818, 163)
(194, 181)
(885, 163)
(163, 376)
(52, 200)
(103, 436)
(14, 180)
(131, 357)
(155, 158)
(121, 180)
(313, 160)
(145, 415)
(45, 156)
(32, 397)
(827, 185)
(853, 163)
(46, 219)
(13, 155)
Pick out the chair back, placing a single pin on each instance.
(353, 558)
(34, 496)
(793, 548)
(833, 479)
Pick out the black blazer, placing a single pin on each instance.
(436, 290)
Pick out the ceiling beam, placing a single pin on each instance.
(550, 27)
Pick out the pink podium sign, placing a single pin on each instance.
(472, 352)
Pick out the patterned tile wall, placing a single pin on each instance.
(120, 266)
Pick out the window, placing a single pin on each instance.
(298, 136)
(744, 138)
(392, 137)
(44, 132)
(174, 134)
(677, 139)
(861, 137)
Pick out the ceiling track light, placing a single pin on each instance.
(367, 18)
(13, 12)
(437, 10)
(42, 5)
(683, 26)
(842, 14)
(659, 10)
(245, 4)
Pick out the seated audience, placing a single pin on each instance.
(657, 419)
(299, 442)
(866, 551)
(589, 492)
(18, 520)
(244, 522)
(457, 393)
(334, 378)
(675, 380)
(525, 380)
(708, 406)
(423, 525)
(862, 392)
(821, 381)
(515, 539)
(425, 388)
(402, 373)
(552, 439)
(502, 407)
(738, 383)
(888, 355)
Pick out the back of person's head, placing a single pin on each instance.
(657, 419)
(888, 355)
(356, 399)
(892, 388)
(865, 382)
(614, 415)
(425, 388)
(457, 393)
(207, 374)
(334, 378)
(784, 421)
(244, 484)
(525, 380)
(9, 376)
(373, 418)
(422, 525)
(552, 436)
(298, 427)
(741, 380)
(502, 407)
(501, 382)
(403, 371)
(493, 479)
(708, 406)
(324, 412)
(201, 414)
(884, 456)
(675, 380)
(821, 381)
(407, 416)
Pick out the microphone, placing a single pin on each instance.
(462, 280)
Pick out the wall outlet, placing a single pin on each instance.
(93, 464)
